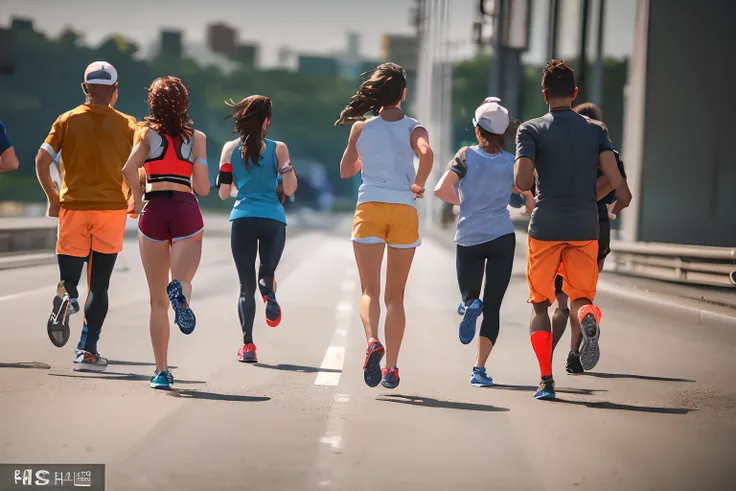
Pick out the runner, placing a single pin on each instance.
(562, 313)
(382, 149)
(254, 164)
(484, 176)
(95, 140)
(8, 159)
(174, 158)
(566, 150)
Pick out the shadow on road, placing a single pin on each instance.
(212, 396)
(26, 364)
(296, 368)
(633, 377)
(131, 377)
(429, 402)
(125, 363)
(534, 388)
(627, 407)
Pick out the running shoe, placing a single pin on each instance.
(390, 378)
(372, 365)
(85, 361)
(57, 326)
(184, 317)
(273, 310)
(162, 380)
(590, 353)
(470, 316)
(546, 390)
(247, 353)
(480, 378)
(573, 363)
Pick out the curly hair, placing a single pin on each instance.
(384, 88)
(168, 101)
(558, 79)
(249, 115)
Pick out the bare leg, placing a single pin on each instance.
(185, 257)
(397, 273)
(369, 258)
(156, 257)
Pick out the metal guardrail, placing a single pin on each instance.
(700, 265)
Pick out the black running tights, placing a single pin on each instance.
(495, 259)
(99, 271)
(251, 236)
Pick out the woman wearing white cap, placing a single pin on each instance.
(480, 180)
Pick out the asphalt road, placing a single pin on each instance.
(659, 413)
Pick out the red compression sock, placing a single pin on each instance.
(542, 344)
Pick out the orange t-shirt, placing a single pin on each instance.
(95, 141)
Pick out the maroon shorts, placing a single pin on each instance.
(170, 216)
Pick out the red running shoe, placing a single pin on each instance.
(247, 353)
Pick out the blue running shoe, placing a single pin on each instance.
(162, 380)
(546, 390)
(184, 317)
(390, 378)
(470, 316)
(480, 378)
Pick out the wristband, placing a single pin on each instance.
(225, 176)
(286, 169)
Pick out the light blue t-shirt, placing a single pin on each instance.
(484, 192)
(388, 171)
(257, 196)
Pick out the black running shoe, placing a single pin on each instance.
(573, 364)
(57, 326)
(372, 365)
(273, 310)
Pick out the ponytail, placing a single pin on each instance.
(249, 115)
(384, 88)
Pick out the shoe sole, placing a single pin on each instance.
(383, 384)
(274, 322)
(481, 385)
(85, 367)
(184, 317)
(372, 368)
(545, 396)
(160, 387)
(54, 327)
(248, 360)
(469, 325)
(590, 352)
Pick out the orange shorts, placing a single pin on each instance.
(576, 262)
(387, 223)
(82, 231)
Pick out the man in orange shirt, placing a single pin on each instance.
(95, 141)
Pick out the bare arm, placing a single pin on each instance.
(8, 160)
(524, 173)
(609, 167)
(445, 189)
(130, 172)
(226, 189)
(43, 172)
(420, 144)
(200, 172)
(602, 187)
(288, 179)
(350, 163)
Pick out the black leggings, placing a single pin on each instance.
(99, 271)
(496, 259)
(249, 236)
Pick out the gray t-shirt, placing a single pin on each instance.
(564, 147)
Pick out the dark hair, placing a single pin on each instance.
(249, 115)
(590, 110)
(496, 142)
(168, 101)
(558, 79)
(384, 88)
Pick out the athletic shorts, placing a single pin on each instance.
(82, 231)
(170, 216)
(604, 249)
(575, 261)
(387, 223)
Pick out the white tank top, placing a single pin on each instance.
(388, 171)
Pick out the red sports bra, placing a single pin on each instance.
(170, 166)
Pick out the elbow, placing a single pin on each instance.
(203, 191)
(11, 164)
(346, 174)
(429, 157)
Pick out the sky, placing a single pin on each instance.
(304, 26)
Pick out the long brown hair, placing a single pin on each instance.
(495, 142)
(249, 115)
(168, 101)
(384, 88)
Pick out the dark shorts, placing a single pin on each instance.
(604, 249)
(170, 216)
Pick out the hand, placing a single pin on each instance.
(135, 207)
(417, 190)
(53, 209)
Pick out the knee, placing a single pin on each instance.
(541, 308)
(394, 299)
(159, 302)
(372, 291)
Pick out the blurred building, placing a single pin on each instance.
(222, 39)
(8, 53)
(318, 65)
(21, 24)
(350, 63)
(247, 54)
(403, 50)
(367, 65)
(171, 43)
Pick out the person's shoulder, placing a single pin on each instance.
(199, 136)
(534, 124)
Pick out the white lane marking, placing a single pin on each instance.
(333, 441)
(333, 361)
(48, 289)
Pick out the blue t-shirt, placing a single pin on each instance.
(5, 142)
(257, 197)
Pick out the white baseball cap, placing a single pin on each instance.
(491, 116)
(100, 73)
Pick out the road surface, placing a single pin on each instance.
(658, 413)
